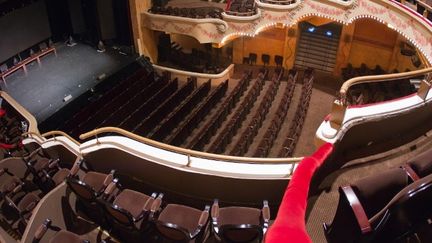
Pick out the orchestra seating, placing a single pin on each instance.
(209, 129)
(246, 138)
(180, 134)
(299, 117)
(266, 142)
(228, 132)
(388, 206)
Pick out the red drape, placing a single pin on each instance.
(289, 225)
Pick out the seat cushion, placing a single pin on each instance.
(64, 236)
(28, 202)
(239, 215)
(10, 184)
(41, 163)
(131, 201)
(422, 164)
(183, 216)
(60, 176)
(95, 180)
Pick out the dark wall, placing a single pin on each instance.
(22, 29)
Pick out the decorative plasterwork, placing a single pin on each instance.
(408, 23)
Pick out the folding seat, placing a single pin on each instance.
(19, 207)
(239, 224)
(180, 223)
(61, 236)
(9, 184)
(422, 164)
(372, 193)
(88, 190)
(129, 211)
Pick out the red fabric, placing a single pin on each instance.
(7, 146)
(2, 112)
(228, 5)
(289, 225)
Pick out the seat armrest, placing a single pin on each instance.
(75, 168)
(54, 163)
(109, 190)
(108, 179)
(202, 222)
(410, 172)
(214, 214)
(265, 213)
(40, 232)
(358, 209)
(156, 205)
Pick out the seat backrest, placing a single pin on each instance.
(119, 215)
(422, 164)
(375, 191)
(409, 209)
(82, 190)
(240, 233)
(172, 232)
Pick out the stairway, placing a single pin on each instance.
(317, 51)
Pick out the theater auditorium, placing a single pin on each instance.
(211, 121)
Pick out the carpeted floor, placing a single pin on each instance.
(322, 207)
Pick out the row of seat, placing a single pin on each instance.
(19, 196)
(90, 108)
(167, 106)
(368, 93)
(196, 13)
(265, 58)
(208, 130)
(194, 60)
(279, 2)
(170, 122)
(132, 96)
(299, 117)
(247, 137)
(266, 143)
(133, 216)
(242, 8)
(225, 136)
(157, 93)
(391, 206)
(182, 132)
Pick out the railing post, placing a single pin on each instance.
(97, 139)
(189, 160)
(337, 114)
(424, 88)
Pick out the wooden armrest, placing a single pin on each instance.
(410, 172)
(358, 209)
(202, 221)
(110, 188)
(215, 210)
(54, 163)
(156, 204)
(43, 228)
(109, 178)
(75, 168)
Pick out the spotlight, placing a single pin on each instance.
(71, 42)
(328, 33)
(311, 29)
(101, 47)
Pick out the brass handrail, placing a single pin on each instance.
(61, 133)
(377, 78)
(23, 111)
(186, 151)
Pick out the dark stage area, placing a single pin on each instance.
(72, 72)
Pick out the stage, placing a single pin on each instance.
(72, 72)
